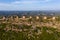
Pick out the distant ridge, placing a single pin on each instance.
(20, 13)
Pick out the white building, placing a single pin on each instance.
(37, 17)
(44, 17)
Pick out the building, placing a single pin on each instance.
(37, 17)
(44, 17)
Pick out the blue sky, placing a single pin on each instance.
(29, 4)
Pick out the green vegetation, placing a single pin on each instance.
(28, 33)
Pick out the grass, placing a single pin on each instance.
(39, 33)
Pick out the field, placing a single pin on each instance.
(25, 32)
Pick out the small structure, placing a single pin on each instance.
(30, 17)
(4, 18)
(23, 17)
(16, 18)
(11, 18)
(53, 18)
(44, 17)
(37, 17)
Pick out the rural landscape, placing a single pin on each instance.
(29, 19)
(36, 27)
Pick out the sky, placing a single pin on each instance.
(29, 4)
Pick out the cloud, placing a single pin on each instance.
(48, 0)
(28, 5)
(29, 1)
(23, 2)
